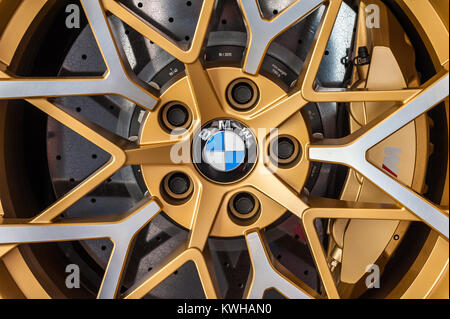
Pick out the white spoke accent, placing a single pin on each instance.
(354, 154)
(121, 233)
(264, 275)
(119, 79)
(263, 32)
(113, 274)
(119, 70)
(15, 88)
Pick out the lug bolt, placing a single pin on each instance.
(242, 94)
(244, 203)
(243, 207)
(175, 116)
(179, 184)
(284, 150)
(177, 187)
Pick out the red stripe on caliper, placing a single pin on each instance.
(389, 171)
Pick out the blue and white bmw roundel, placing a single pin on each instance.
(224, 151)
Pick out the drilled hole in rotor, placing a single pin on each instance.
(285, 151)
(175, 116)
(177, 188)
(244, 208)
(242, 94)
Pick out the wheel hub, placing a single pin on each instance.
(224, 150)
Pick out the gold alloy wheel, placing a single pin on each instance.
(389, 207)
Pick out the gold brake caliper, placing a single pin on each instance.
(357, 244)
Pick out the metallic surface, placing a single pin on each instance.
(203, 92)
(352, 153)
(262, 31)
(116, 81)
(265, 276)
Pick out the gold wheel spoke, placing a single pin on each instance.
(208, 200)
(264, 275)
(275, 114)
(171, 263)
(108, 141)
(334, 209)
(150, 32)
(161, 153)
(120, 232)
(118, 80)
(319, 257)
(203, 92)
(269, 184)
(100, 137)
(331, 208)
(262, 31)
(352, 152)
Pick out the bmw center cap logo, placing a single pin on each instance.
(225, 151)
